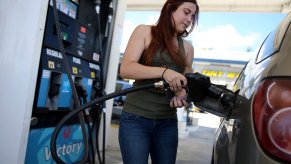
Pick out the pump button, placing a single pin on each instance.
(83, 29)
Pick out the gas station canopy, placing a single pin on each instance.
(277, 6)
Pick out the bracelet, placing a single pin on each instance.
(164, 72)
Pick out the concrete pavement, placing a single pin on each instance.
(195, 141)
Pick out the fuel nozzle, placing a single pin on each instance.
(200, 86)
(209, 97)
(55, 84)
(54, 91)
(81, 90)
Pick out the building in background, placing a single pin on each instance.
(223, 67)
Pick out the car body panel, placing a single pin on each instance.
(235, 139)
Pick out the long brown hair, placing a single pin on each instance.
(163, 33)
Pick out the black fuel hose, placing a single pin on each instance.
(74, 91)
(91, 103)
(99, 41)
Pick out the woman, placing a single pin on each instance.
(149, 120)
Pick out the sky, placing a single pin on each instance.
(218, 31)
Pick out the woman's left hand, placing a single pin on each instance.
(178, 100)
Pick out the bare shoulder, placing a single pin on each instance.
(144, 27)
(144, 31)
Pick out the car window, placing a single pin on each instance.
(239, 80)
(118, 87)
(121, 85)
(267, 48)
(126, 86)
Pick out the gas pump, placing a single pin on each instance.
(72, 64)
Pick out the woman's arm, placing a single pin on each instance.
(179, 99)
(130, 68)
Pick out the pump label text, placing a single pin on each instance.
(54, 53)
(64, 150)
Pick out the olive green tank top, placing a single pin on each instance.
(154, 103)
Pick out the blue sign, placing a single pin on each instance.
(70, 146)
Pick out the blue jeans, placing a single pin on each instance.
(140, 136)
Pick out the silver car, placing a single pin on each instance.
(258, 128)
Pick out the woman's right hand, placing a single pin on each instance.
(175, 80)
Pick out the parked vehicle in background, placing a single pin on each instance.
(260, 130)
(121, 85)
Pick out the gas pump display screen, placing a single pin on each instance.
(67, 7)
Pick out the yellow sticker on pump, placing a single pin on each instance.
(51, 64)
(75, 70)
(93, 75)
